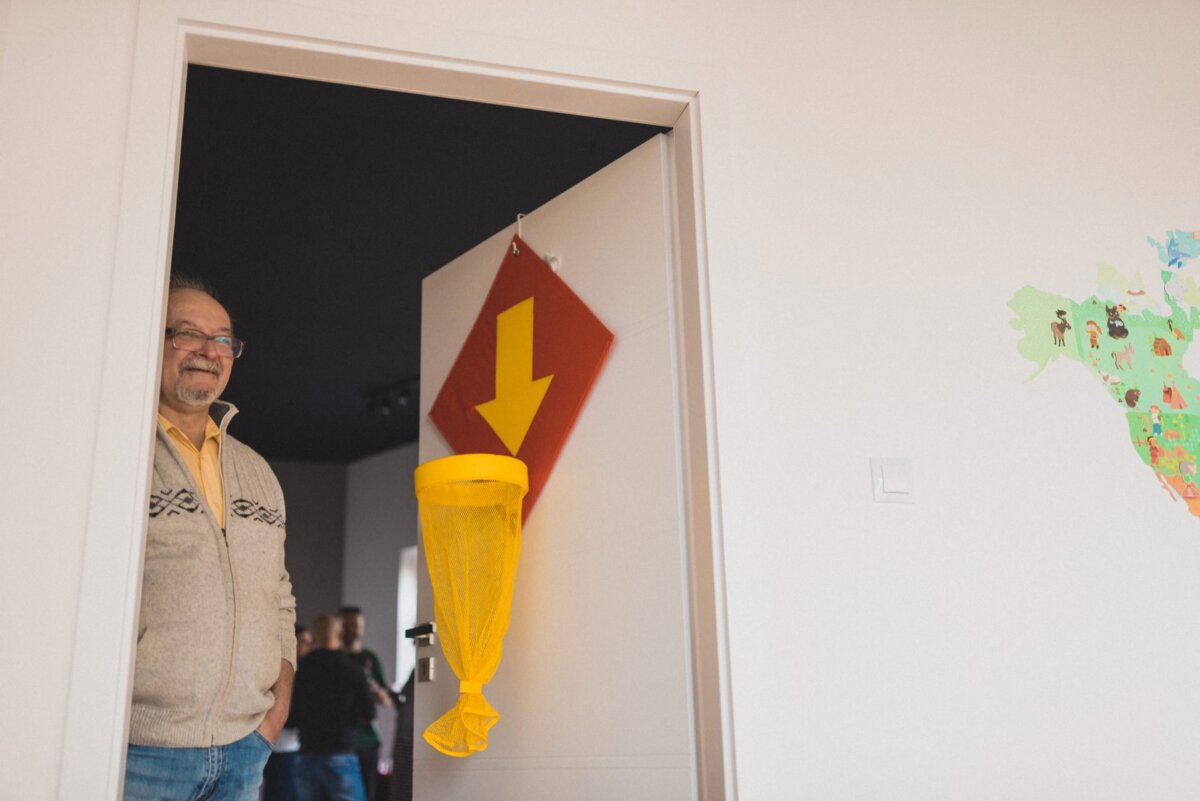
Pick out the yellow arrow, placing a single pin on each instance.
(518, 395)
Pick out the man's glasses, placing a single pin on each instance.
(192, 340)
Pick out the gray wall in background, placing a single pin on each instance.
(315, 493)
(381, 519)
(346, 527)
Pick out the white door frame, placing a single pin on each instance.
(168, 40)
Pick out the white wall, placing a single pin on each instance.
(1029, 628)
(880, 178)
(64, 87)
(4, 4)
(315, 493)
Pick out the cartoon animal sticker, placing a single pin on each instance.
(1059, 328)
(1131, 398)
(1173, 397)
(1178, 334)
(1161, 347)
(1123, 358)
(1116, 326)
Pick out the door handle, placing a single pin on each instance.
(423, 635)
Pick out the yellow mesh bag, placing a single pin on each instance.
(471, 524)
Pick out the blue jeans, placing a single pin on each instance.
(329, 777)
(221, 773)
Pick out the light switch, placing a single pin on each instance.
(892, 480)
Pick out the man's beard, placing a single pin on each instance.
(196, 396)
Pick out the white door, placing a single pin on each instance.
(594, 691)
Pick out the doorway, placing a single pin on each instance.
(316, 210)
(109, 587)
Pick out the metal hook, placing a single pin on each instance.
(517, 250)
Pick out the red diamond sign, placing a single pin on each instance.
(526, 368)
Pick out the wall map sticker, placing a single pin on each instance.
(1133, 341)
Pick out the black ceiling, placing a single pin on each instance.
(316, 209)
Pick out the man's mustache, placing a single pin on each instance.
(201, 363)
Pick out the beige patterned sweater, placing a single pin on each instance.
(217, 611)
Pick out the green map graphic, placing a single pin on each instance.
(1132, 340)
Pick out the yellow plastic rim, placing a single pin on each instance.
(471, 467)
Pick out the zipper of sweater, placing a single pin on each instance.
(221, 524)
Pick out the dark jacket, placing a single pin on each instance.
(329, 702)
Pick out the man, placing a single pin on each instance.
(279, 776)
(400, 786)
(216, 647)
(366, 739)
(332, 699)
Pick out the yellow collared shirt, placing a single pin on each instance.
(203, 464)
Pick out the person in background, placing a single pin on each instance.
(279, 776)
(366, 740)
(331, 700)
(400, 788)
(216, 644)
